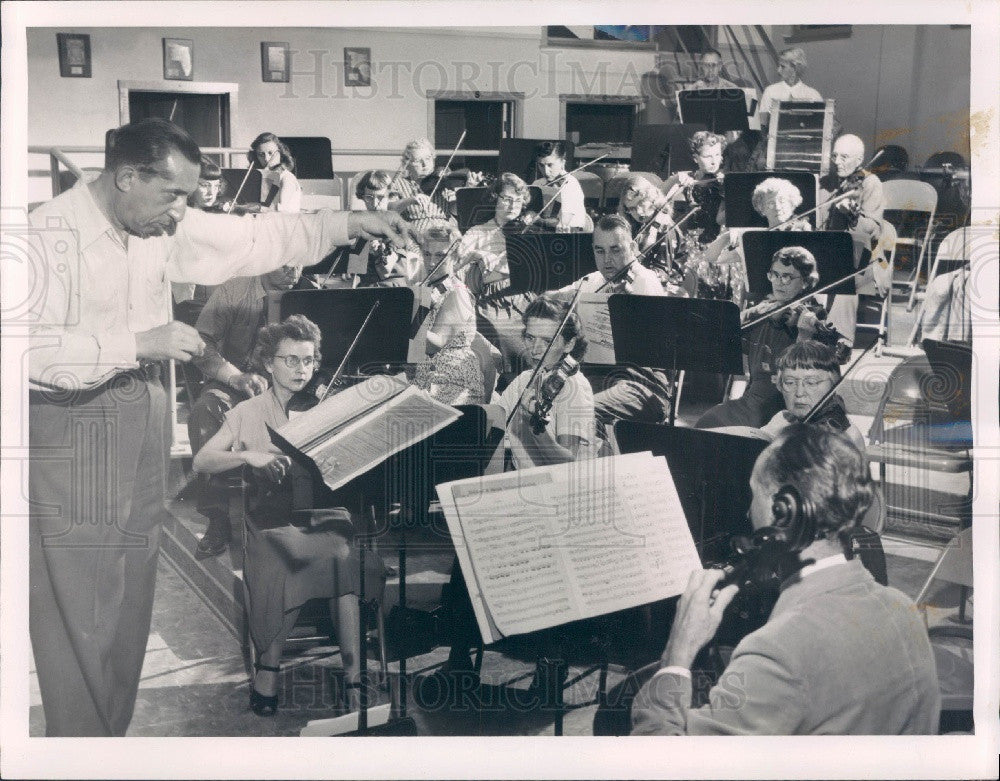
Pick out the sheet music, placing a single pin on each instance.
(545, 546)
(596, 321)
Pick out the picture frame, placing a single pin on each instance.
(178, 59)
(74, 55)
(275, 62)
(357, 67)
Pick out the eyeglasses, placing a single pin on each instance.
(294, 361)
(784, 279)
(509, 200)
(809, 383)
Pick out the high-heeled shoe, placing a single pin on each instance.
(261, 704)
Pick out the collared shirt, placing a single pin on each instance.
(720, 84)
(780, 91)
(228, 324)
(644, 283)
(101, 288)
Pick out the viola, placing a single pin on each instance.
(550, 388)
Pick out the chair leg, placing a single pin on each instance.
(382, 651)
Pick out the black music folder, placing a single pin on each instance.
(339, 313)
(540, 262)
(718, 109)
(833, 250)
(691, 334)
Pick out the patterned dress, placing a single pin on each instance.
(455, 367)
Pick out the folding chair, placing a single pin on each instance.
(593, 188)
(910, 206)
(954, 251)
(322, 193)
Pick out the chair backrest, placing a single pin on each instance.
(957, 245)
(591, 184)
(321, 186)
(314, 201)
(909, 195)
(490, 361)
(939, 159)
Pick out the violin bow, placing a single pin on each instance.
(447, 165)
(801, 299)
(433, 271)
(548, 347)
(232, 203)
(551, 200)
(347, 355)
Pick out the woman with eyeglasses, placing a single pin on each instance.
(285, 565)
(793, 273)
(482, 253)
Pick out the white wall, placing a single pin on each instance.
(898, 84)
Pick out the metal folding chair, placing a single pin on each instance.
(908, 204)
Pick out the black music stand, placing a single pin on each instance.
(540, 262)
(718, 109)
(663, 149)
(517, 155)
(313, 156)
(474, 205)
(233, 178)
(692, 334)
(739, 191)
(340, 314)
(833, 250)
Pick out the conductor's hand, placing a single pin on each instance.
(249, 384)
(175, 340)
(698, 616)
(381, 225)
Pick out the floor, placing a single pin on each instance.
(194, 681)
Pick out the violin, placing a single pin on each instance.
(549, 389)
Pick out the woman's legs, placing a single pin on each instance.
(266, 681)
(347, 619)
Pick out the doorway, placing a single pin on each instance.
(485, 120)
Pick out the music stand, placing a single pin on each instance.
(474, 205)
(339, 313)
(739, 191)
(663, 149)
(833, 250)
(233, 178)
(692, 334)
(517, 155)
(718, 109)
(540, 262)
(313, 156)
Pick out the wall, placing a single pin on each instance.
(898, 84)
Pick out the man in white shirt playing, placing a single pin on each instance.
(839, 655)
(109, 249)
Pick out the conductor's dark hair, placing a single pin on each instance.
(547, 148)
(147, 142)
(828, 471)
(298, 328)
(284, 153)
(548, 307)
(801, 260)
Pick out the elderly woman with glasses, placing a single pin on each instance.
(286, 565)
(793, 273)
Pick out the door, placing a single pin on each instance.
(204, 116)
(485, 122)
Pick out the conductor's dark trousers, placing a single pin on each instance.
(97, 472)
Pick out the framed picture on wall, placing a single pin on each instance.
(74, 55)
(357, 67)
(178, 59)
(274, 61)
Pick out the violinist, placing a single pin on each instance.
(387, 266)
(418, 191)
(483, 254)
(569, 434)
(640, 202)
(840, 654)
(702, 187)
(550, 157)
(450, 372)
(793, 273)
(279, 188)
(861, 216)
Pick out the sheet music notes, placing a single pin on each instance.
(596, 321)
(541, 547)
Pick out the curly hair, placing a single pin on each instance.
(828, 471)
(511, 181)
(704, 138)
(547, 307)
(809, 354)
(802, 260)
(298, 328)
(421, 144)
(795, 57)
(437, 232)
(286, 156)
(645, 189)
(770, 189)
